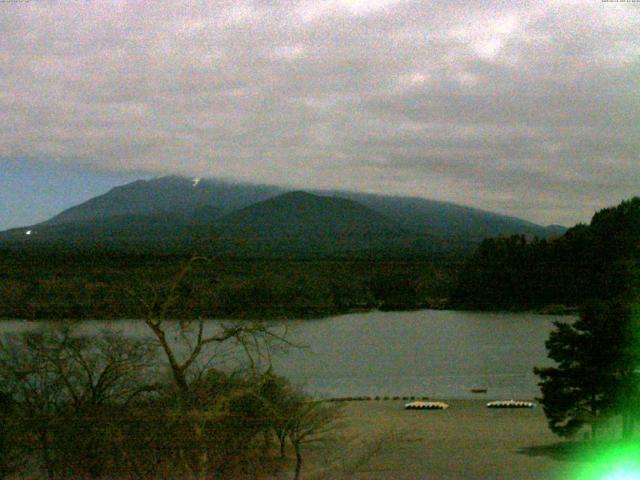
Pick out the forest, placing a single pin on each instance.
(598, 260)
(80, 286)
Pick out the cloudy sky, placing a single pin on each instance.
(525, 108)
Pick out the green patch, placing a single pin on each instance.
(620, 461)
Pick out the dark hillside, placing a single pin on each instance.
(167, 194)
(596, 261)
(176, 215)
(448, 219)
(301, 213)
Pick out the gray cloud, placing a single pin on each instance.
(526, 108)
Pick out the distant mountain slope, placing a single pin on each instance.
(196, 198)
(301, 213)
(448, 220)
(177, 195)
(301, 223)
(179, 214)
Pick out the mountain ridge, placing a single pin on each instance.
(237, 195)
(177, 212)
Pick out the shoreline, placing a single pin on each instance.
(565, 312)
(465, 441)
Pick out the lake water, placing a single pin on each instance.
(440, 354)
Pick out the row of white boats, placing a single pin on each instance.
(421, 405)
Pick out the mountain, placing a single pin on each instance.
(448, 220)
(301, 213)
(177, 214)
(203, 199)
(302, 223)
(177, 195)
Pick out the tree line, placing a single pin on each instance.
(593, 269)
(40, 286)
(599, 260)
(597, 372)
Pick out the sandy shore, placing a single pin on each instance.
(381, 440)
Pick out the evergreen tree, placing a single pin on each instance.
(595, 373)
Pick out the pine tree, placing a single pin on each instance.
(595, 374)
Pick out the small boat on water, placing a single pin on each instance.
(510, 404)
(478, 390)
(420, 405)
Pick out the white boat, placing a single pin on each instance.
(510, 404)
(420, 405)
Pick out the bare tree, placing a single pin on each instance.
(96, 369)
(255, 339)
(310, 422)
(8, 431)
(35, 391)
(59, 379)
(196, 350)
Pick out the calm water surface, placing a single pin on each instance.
(441, 354)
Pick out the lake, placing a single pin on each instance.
(434, 353)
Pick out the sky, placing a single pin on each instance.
(526, 108)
